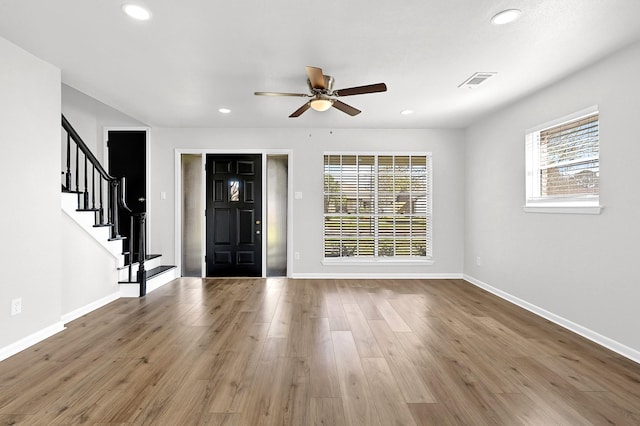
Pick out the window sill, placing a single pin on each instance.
(559, 209)
(376, 261)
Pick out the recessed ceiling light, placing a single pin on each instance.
(224, 110)
(136, 12)
(406, 111)
(506, 16)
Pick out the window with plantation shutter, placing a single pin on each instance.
(377, 206)
(563, 163)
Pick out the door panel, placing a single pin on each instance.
(234, 215)
(222, 226)
(222, 258)
(246, 227)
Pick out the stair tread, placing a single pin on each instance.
(87, 210)
(152, 273)
(102, 225)
(117, 238)
(158, 270)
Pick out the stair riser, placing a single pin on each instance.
(123, 274)
(133, 290)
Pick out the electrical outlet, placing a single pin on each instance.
(478, 261)
(16, 306)
(296, 255)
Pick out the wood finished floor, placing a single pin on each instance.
(325, 352)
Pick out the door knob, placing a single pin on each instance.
(142, 199)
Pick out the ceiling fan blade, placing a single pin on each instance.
(361, 90)
(281, 94)
(346, 108)
(299, 111)
(316, 77)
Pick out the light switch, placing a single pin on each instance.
(163, 195)
(297, 195)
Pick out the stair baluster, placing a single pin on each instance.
(77, 175)
(68, 174)
(86, 188)
(93, 188)
(100, 209)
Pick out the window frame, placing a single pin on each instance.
(534, 202)
(375, 214)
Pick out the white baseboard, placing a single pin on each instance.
(377, 275)
(126, 290)
(605, 341)
(30, 340)
(77, 313)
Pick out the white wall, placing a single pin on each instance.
(580, 268)
(89, 117)
(29, 179)
(306, 167)
(89, 271)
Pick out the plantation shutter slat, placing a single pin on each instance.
(569, 162)
(377, 205)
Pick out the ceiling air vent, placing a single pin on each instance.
(477, 79)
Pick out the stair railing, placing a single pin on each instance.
(100, 193)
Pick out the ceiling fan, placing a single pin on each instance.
(321, 90)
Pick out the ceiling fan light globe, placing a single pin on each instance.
(321, 104)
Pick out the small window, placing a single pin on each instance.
(234, 190)
(563, 163)
(377, 206)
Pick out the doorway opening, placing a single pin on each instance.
(222, 194)
(127, 157)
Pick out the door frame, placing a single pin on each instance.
(178, 202)
(105, 158)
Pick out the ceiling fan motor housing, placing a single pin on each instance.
(328, 86)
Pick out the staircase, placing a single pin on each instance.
(94, 200)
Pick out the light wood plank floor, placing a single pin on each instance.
(325, 352)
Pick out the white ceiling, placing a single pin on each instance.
(195, 56)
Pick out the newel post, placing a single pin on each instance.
(142, 273)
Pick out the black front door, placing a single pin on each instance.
(128, 158)
(234, 215)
